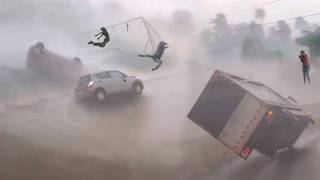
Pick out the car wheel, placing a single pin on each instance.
(137, 88)
(100, 95)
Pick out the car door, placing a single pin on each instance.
(104, 81)
(118, 81)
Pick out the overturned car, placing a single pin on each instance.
(246, 115)
(47, 63)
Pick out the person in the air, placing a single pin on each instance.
(157, 55)
(304, 58)
(104, 33)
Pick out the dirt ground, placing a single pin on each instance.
(45, 134)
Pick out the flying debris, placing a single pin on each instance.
(153, 37)
(104, 33)
(153, 45)
(157, 55)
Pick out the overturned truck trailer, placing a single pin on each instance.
(246, 115)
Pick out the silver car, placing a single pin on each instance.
(101, 84)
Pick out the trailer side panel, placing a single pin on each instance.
(216, 104)
(243, 123)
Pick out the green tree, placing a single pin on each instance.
(301, 24)
(219, 39)
(311, 39)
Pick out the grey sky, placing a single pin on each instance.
(203, 9)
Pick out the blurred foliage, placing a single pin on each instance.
(260, 14)
(301, 24)
(311, 39)
(249, 38)
(219, 39)
(255, 48)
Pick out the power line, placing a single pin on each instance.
(290, 19)
(254, 7)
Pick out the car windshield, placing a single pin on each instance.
(116, 74)
(85, 79)
(102, 75)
